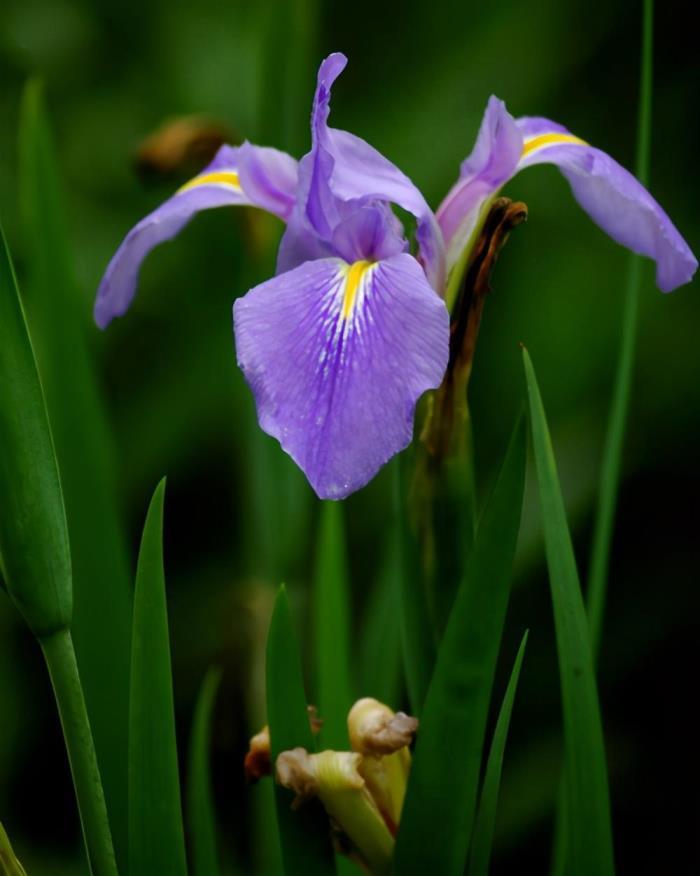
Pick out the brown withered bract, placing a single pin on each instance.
(257, 762)
(375, 729)
(449, 405)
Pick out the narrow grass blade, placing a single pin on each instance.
(380, 644)
(417, 631)
(9, 864)
(33, 534)
(156, 836)
(304, 834)
(290, 40)
(588, 828)
(200, 803)
(101, 576)
(485, 823)
(331, 622)
(442, 790)
(615, 437)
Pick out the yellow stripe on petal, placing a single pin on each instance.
(218, 177)
(543, 140)
(353, 278)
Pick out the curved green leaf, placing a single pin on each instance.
(200, 803)
(101, 575)
(304, 834)
(443, 786)
(485, 823)
(156, 836)
(331, 622)
(589, 835)
(33, 533)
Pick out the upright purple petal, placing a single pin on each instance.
(246, 175)
(337, 356)
(613, 198)
(492, 162)
(341, 168)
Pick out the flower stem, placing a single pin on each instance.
(63, 669)
(612, 454)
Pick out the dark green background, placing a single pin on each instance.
(418, 80)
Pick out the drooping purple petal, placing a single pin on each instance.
(337, 356)
(613, 198)
(342, 168)
(246, 175)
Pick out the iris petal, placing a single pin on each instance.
(337, 356)
(246, 175)
(610, 195)
(492, 162)
(343, 169)
(613, 198)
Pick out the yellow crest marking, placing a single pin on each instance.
(551, 140)
(353, 277)
(220, 177)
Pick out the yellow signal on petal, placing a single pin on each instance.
(216, 177)
(353, 278)
(551, 140)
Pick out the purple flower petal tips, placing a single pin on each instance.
(337, 356)
(610, 195)
(247, 175)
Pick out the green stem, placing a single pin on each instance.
(612, 454)
(614, 440)
(63, 669)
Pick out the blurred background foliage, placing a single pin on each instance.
(238, 515)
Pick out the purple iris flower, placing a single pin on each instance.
(610, 195)
(339, 346)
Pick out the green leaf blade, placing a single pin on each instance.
(485, 824)
(443, 786)
(331, 621)
(380, 661)
(200, 809)
(59, 316)
(417, 631)
(589, 831)
(33, 532)
(304, 835)
(156, 836)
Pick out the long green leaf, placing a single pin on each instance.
(615, 437)
(101, 576)
(304, 835)
(331, 622)
(380, 643)
(33, 533)
(200, 803)
(589, 833)
(9, 864)
(442, 791)
(156, 836)
(417, 630)
(485, 823)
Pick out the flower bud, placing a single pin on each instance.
(383, 737)
(334, 777)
